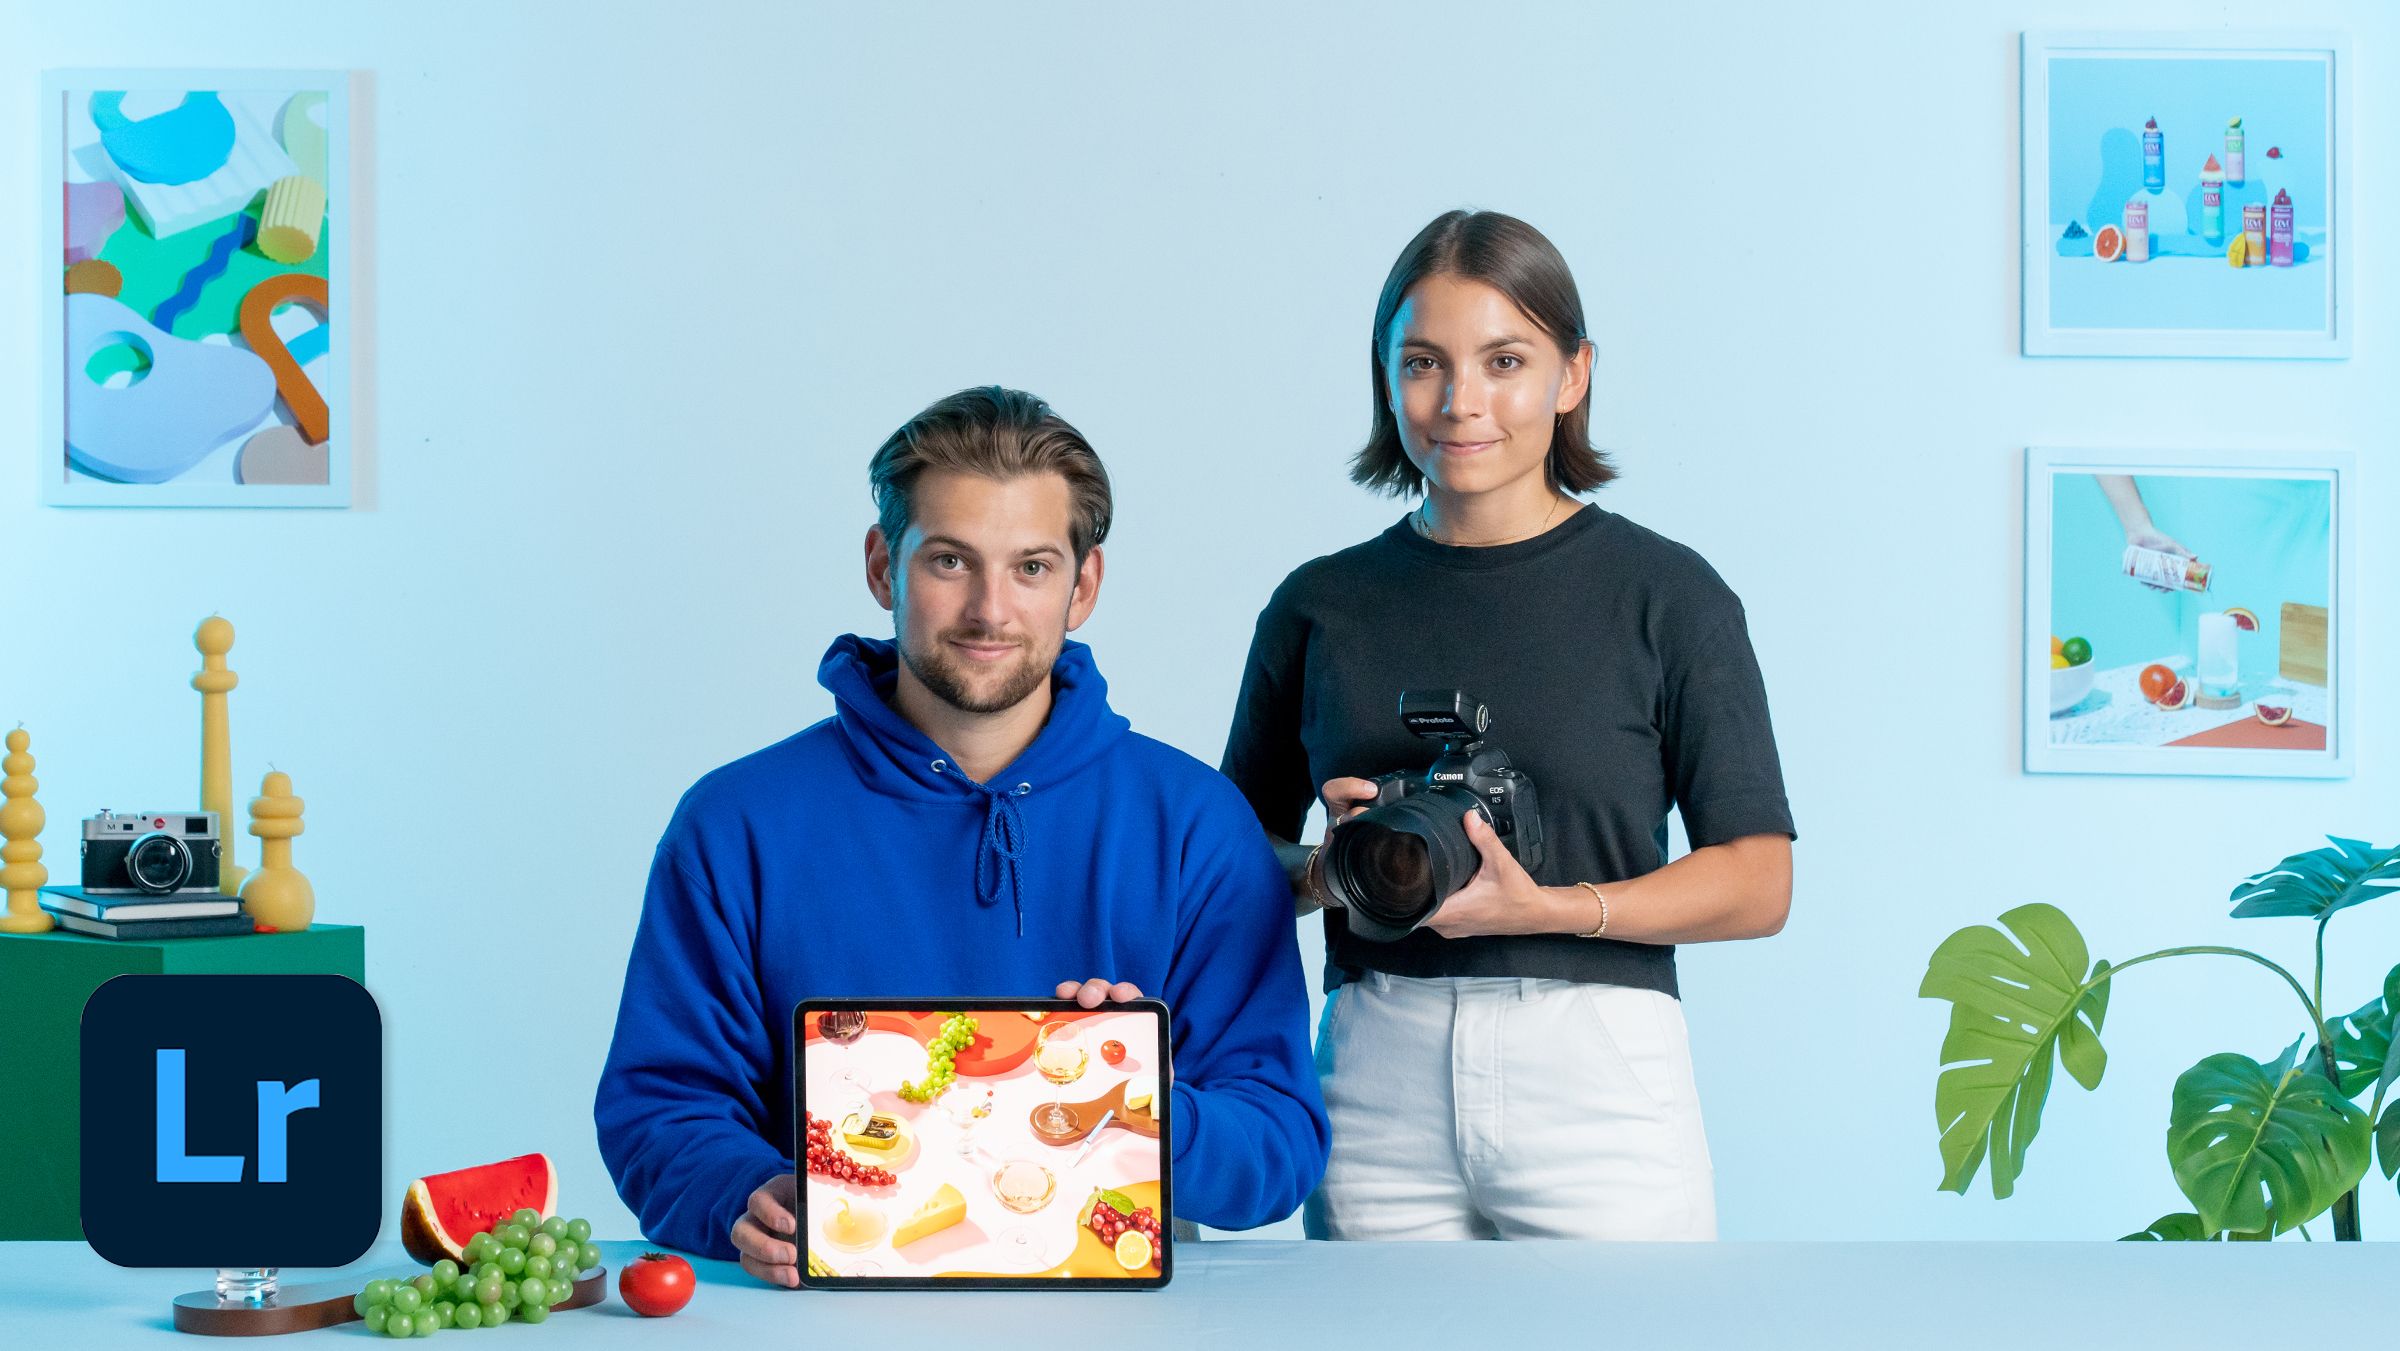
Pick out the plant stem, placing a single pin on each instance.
(2345, 1206)
(2319, 987)
(2315, 1019)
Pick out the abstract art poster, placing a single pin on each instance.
(2186, 194)
(2189, 612)
(196, 246)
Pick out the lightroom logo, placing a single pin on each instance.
(232, 1121)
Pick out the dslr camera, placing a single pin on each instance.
(150, 853)
(1394, 864)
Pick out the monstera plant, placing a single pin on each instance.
(2260, 1147)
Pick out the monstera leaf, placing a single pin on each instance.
(2013, 1006)
(2319, 882)
(2181, 1227)
(2263, 1147)
(2362, 1039)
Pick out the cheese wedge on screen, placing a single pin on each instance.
(945, 1208)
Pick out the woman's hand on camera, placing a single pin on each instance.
(1501, 898)
(1345, 798)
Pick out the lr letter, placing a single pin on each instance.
(173, 1164)
(276, 1103)
(275, 1107)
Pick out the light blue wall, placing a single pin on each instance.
(642, 287)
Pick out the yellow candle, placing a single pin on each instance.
(278, 895)
(214, 639)
(21, 870)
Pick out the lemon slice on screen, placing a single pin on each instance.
(1133, 1250)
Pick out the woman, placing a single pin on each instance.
(1517, 1067)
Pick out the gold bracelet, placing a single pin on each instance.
(1312, 882)
(1603, 900)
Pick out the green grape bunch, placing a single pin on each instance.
(941, 1059)
(516, 1271)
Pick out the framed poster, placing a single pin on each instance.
(2187, 194)
(196, 335)
(2190, 612)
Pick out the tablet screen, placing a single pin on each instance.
(983, 1142)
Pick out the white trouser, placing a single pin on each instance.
(1489, 1107)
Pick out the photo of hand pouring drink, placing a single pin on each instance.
(1392, 865)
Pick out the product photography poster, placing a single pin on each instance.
(1659, 682)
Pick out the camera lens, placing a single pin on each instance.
(158, 863)
(1389, 869)
(1394, 866)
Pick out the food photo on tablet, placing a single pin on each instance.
(983, 1142)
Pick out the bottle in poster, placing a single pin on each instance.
(2155, 567)
(2212, 202)
(2154, 157)
(2254, 234)
(2279, 230)
(2137, 230)
(2233, 152)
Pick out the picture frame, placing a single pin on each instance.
(220, 201)
(2113, 121)
(2269, 534)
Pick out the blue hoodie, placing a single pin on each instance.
(854, 859)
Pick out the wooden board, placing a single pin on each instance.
(320, 1304)
(1087, 1115)
(2300, 651)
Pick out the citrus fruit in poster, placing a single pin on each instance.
(2108, 244)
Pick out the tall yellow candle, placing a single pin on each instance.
(215, 639)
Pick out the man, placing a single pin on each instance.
(973, 820)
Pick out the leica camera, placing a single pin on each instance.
(150, 853)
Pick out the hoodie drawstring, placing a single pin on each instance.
(1001, 857)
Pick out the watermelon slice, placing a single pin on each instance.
(441, 1212)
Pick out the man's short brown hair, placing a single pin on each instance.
(1000, 434)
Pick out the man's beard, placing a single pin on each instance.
(938, 672)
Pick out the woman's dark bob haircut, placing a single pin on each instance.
(1516, 260)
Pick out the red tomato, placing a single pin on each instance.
(1113, 1052)
(656, 1284)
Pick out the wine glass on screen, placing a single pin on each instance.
(843, 1027)
(1060, 1054)
(966, 1108)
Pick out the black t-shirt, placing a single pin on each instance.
(1618, 670)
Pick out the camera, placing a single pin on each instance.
(149, 853)
(1394, 864)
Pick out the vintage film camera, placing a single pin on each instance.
(150, 853)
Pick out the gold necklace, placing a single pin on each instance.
(1424, 525)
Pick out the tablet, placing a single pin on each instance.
(982, 1143)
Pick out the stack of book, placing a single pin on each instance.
(184, 914)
